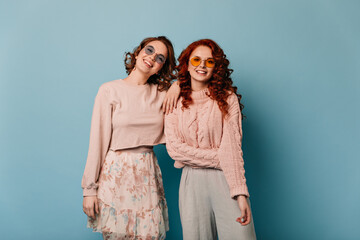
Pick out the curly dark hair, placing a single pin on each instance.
(167, 72)
(220, 84)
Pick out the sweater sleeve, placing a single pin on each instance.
(183, 153)
(230, 152)
(100, 135)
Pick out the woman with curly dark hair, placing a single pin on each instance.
(123, 191)
(203, 136)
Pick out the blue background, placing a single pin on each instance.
(297, 65)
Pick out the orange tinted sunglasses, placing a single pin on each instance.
(196, 61)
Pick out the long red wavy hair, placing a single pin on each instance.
(220, 84)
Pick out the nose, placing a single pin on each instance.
(152, 57)
(202, 64)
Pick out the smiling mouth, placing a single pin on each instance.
(147, 63)
(201, 72)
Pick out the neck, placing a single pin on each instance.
(198, 86)
(137, 78)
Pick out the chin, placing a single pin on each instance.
(144, 69)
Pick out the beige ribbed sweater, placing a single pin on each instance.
(200, 137)
(124, 116)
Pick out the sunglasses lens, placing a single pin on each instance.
(195, 61)
(210, 63)
(149, 50)
(160, 59)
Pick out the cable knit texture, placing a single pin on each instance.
(199, 137)
(124, 116)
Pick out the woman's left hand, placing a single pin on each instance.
(245, 217)
(171, 98)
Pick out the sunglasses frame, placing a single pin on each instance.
(205, 60)
(158, 57)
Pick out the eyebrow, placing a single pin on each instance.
(204, 58)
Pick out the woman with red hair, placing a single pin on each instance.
(203, 136)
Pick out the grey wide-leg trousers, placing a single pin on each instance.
(206, 209)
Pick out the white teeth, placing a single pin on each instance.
(147, 63)
(203, 72)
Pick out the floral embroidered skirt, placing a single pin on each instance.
(131, 198)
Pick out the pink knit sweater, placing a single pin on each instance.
(200, 137)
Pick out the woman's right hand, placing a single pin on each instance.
(90, 203)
